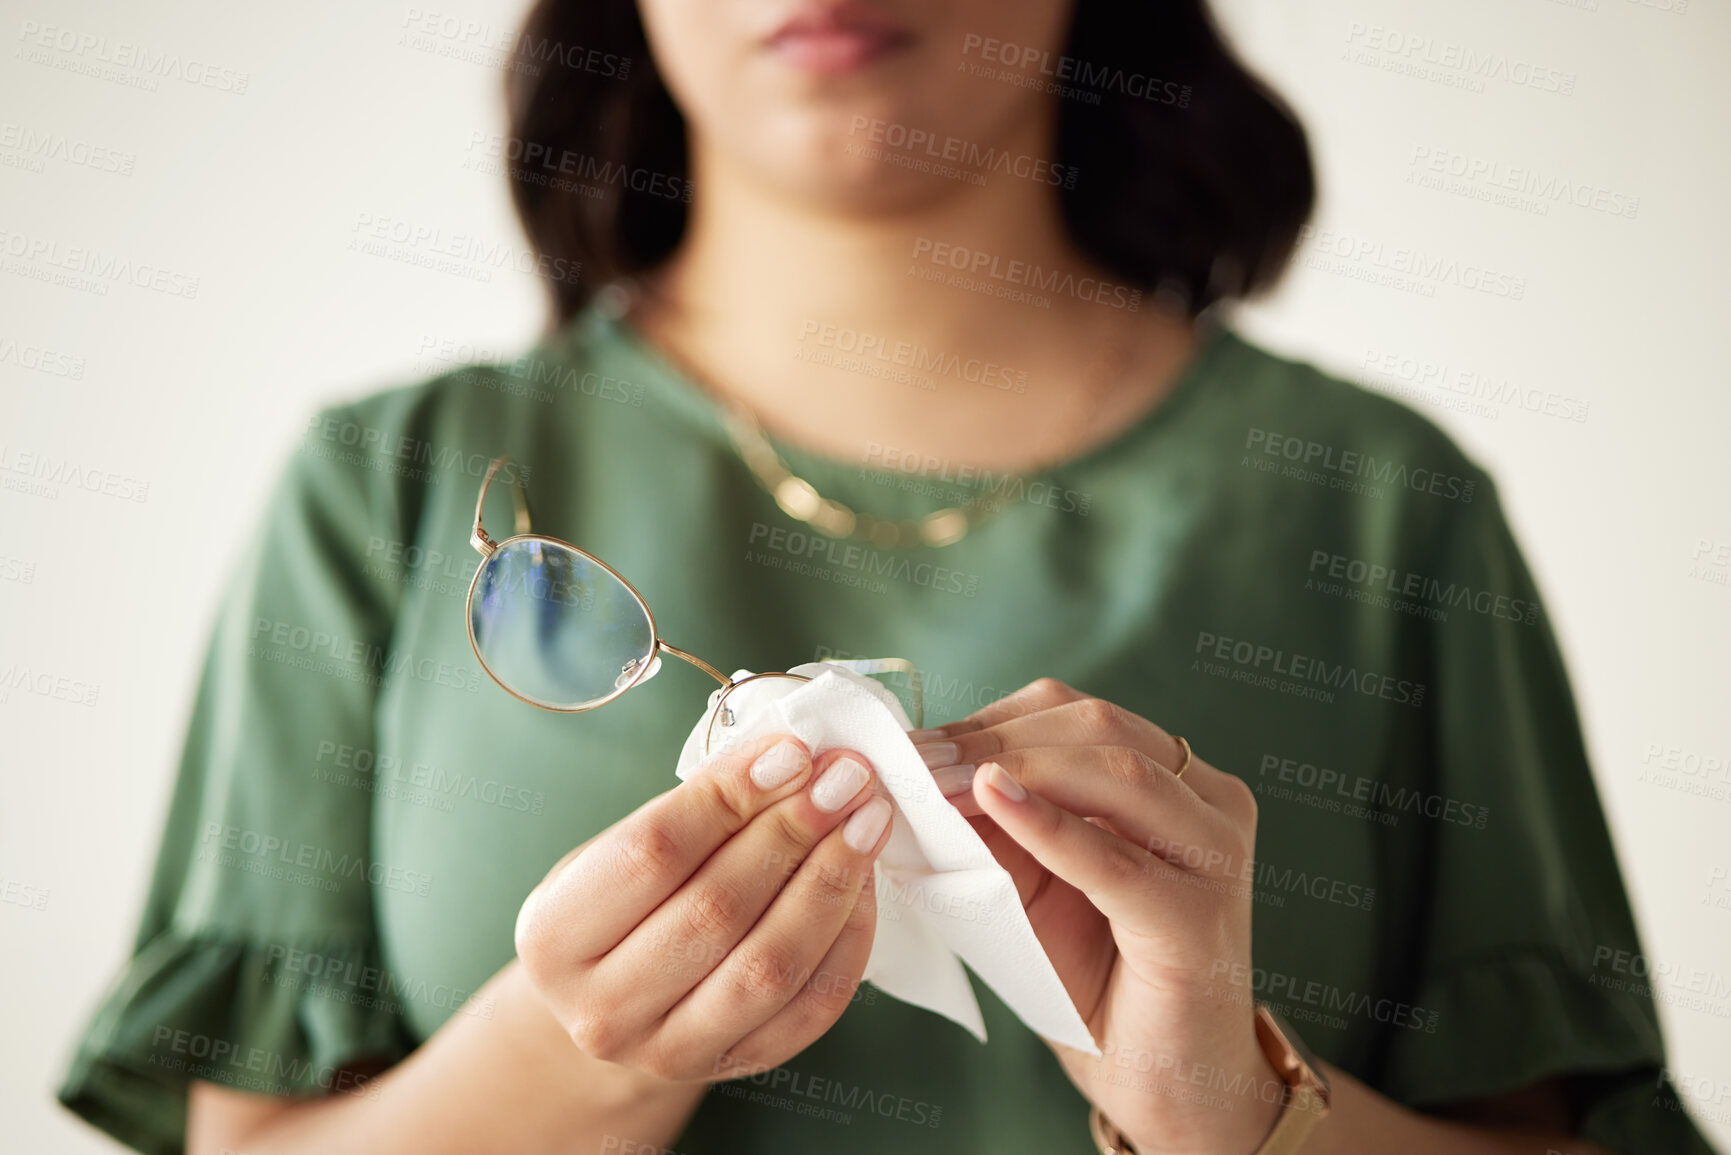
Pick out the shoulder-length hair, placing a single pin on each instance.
(1194, 176)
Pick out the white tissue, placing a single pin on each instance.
(942, 898)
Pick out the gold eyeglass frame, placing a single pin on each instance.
(487, 547)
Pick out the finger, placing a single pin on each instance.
(693, 932)
(632, 867)
(1113, 874)
(781, 956)
(1141, 800)
(1084, 722)
(526, 912)
(1041, 694)
(831, 989)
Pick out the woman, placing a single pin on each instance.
(957, 262)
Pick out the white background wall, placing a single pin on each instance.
(258, 193)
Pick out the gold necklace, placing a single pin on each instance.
(800, 499)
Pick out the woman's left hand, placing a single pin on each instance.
(1139, 886)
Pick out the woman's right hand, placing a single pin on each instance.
(723, 926)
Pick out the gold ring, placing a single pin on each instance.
(1185, 764)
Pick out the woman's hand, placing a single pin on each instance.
(723, 926)
(1138, 885)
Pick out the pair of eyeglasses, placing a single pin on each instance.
(561, 629)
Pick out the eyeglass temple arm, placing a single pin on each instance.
(519, 500)
(664, 646)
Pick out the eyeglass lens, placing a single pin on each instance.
(556, 627)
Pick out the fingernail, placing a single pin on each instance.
(778, 765)
(939, 754)
(837, 785)
(863, 826)
(954, 779)
(999, 779)
(931, 735)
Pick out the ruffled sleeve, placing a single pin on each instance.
(256, 963)
(1527, 927)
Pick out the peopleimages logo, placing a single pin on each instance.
(46, 684)
(1467, 386)
(372, 443)
(1276, 986)
(970, 483)
(427, 28)
(1405, 589)
(1080, 73)
(1379, 798)
(979, 263)
(853, 559)
(1692, 988)
(1419, 53)
(1212, 865)
(533, 158)
(344, 979)
(250, 1068)
(150, 64)
(923, 141)
(869, 346)
(1256, 659)
(51, 472)
(1424, 269)
(1545, 188)
(1353, 467)
(41, 359)
(816, 1089)
(39, 146)
(40, 254)
(277, 851)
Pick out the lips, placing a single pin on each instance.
(829, 38)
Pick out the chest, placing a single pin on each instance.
(482, 793)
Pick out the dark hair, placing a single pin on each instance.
(1196, 193)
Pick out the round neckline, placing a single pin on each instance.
(1213, 338)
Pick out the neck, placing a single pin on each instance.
(846, 327)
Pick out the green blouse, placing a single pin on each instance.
(1311, 583)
